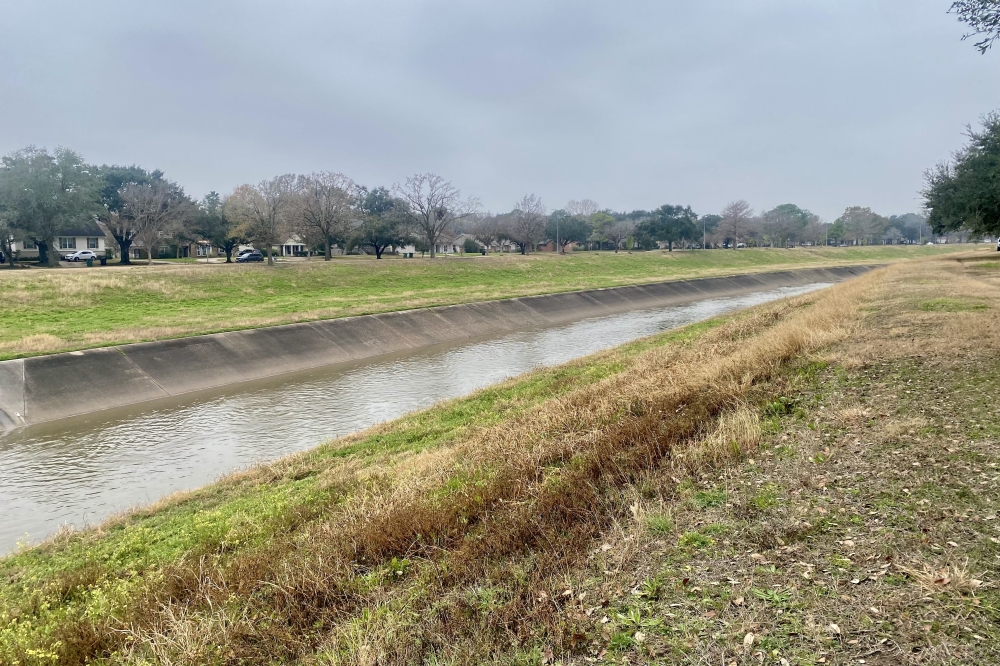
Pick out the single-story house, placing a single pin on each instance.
(447, 244)
(293, 247)
(82, 237)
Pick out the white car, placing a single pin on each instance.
(81, 255)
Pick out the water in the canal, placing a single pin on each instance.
(80, 471)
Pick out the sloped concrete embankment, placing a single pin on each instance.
(46, 388)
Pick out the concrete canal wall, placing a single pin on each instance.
(46, 388)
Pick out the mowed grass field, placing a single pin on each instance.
(46, 311)
(812, 481)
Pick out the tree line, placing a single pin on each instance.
(584, 223)
(43, 194)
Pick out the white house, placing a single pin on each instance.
(84, 237)
(293, 247)
(447, 244)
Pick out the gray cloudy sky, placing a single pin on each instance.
(633, 104)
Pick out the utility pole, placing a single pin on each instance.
(558, 247)
(703, 236)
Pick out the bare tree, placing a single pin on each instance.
(619, 230)
(584, 208)
(435, 205)
(265, 212)
(152, 211)
(736, 219)
(327, 203)
(527, 223)
(488, 229)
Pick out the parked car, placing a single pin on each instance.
(250, 255)
(81, 255)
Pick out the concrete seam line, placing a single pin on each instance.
(144, 373)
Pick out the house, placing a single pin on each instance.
(83, 237)
(293, 247)
(550, 246)
(25, 249)
(446, 244)
(461, 239)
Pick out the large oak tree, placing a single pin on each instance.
(965, 192)
(45, 193)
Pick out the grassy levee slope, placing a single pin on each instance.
(813, 480)
(62, 310)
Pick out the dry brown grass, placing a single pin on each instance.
(632, 500)
(861, 529)
(544, 485)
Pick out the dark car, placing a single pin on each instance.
(252, 255)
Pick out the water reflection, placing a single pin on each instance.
(83, 471)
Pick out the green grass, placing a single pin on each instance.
(952, 305)
(99, 572)
(48, 311)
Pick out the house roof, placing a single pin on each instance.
(82, 230)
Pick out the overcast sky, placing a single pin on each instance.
(825, 104)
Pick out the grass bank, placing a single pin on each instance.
(811, 481)
(48, 311)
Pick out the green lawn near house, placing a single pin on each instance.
(47, 311)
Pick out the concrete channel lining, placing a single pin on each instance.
(47, 388)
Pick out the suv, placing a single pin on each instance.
(81, 255)
(249, 255)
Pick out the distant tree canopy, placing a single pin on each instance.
(212, 224)
(710, 223)
(384, 221)
(965, 193)
(568, 228)
(671, 224)
(983, 16)
(911, 226)
(859, 224)
(786, 223)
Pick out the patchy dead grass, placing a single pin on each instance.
(811, 482)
